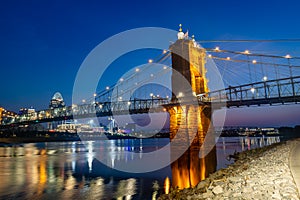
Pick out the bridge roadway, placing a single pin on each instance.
(280, 91)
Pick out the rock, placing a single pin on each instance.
(207, 194)
(247, 190)
(217, 190)
(234, 179)
(276, 196)
(203, 184)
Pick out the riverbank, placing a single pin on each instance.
(262, 173)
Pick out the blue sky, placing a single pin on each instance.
(43, 43)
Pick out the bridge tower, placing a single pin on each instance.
(188, 59)
(189, 120)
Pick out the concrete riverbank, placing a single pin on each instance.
(263, 173)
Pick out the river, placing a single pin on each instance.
(70, 170)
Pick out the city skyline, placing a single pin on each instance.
(44, 44)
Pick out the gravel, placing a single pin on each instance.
(262, 173)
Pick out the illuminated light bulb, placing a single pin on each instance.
(217, 49)
(228, 58)
(165, 67)
(180, 94)
(128, 103)
(209, 55)
(150, 61)
(288, 56)
(265, 78)
(95, 94)
(121, 79)
(164, 51)
(107, 88)
(254, 61)
(151, 94)
(246, 52)
(252, 90)
(137, 69)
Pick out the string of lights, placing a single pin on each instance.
(248, 53)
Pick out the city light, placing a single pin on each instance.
(228, 58)
(137, 69)
(252, 89)
(121, 79)
(217, 49)
(209, 55)
(246, 52)
(95, 94)
(254, 61)
(288, 56)
(107, 88)
(150, 61)
(151, 94)
(165, 51)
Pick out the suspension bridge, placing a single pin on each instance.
(249, 78)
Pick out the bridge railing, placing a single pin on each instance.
(96, 108)
(272, 91)
(264, 92)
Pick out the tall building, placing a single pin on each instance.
(57, 101)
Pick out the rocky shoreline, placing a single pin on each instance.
(262, 173)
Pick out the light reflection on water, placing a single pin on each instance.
(69, 170)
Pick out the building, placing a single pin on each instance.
(57, 101)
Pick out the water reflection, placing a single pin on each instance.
(189, 169)
(229, 145)
(69, 170)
